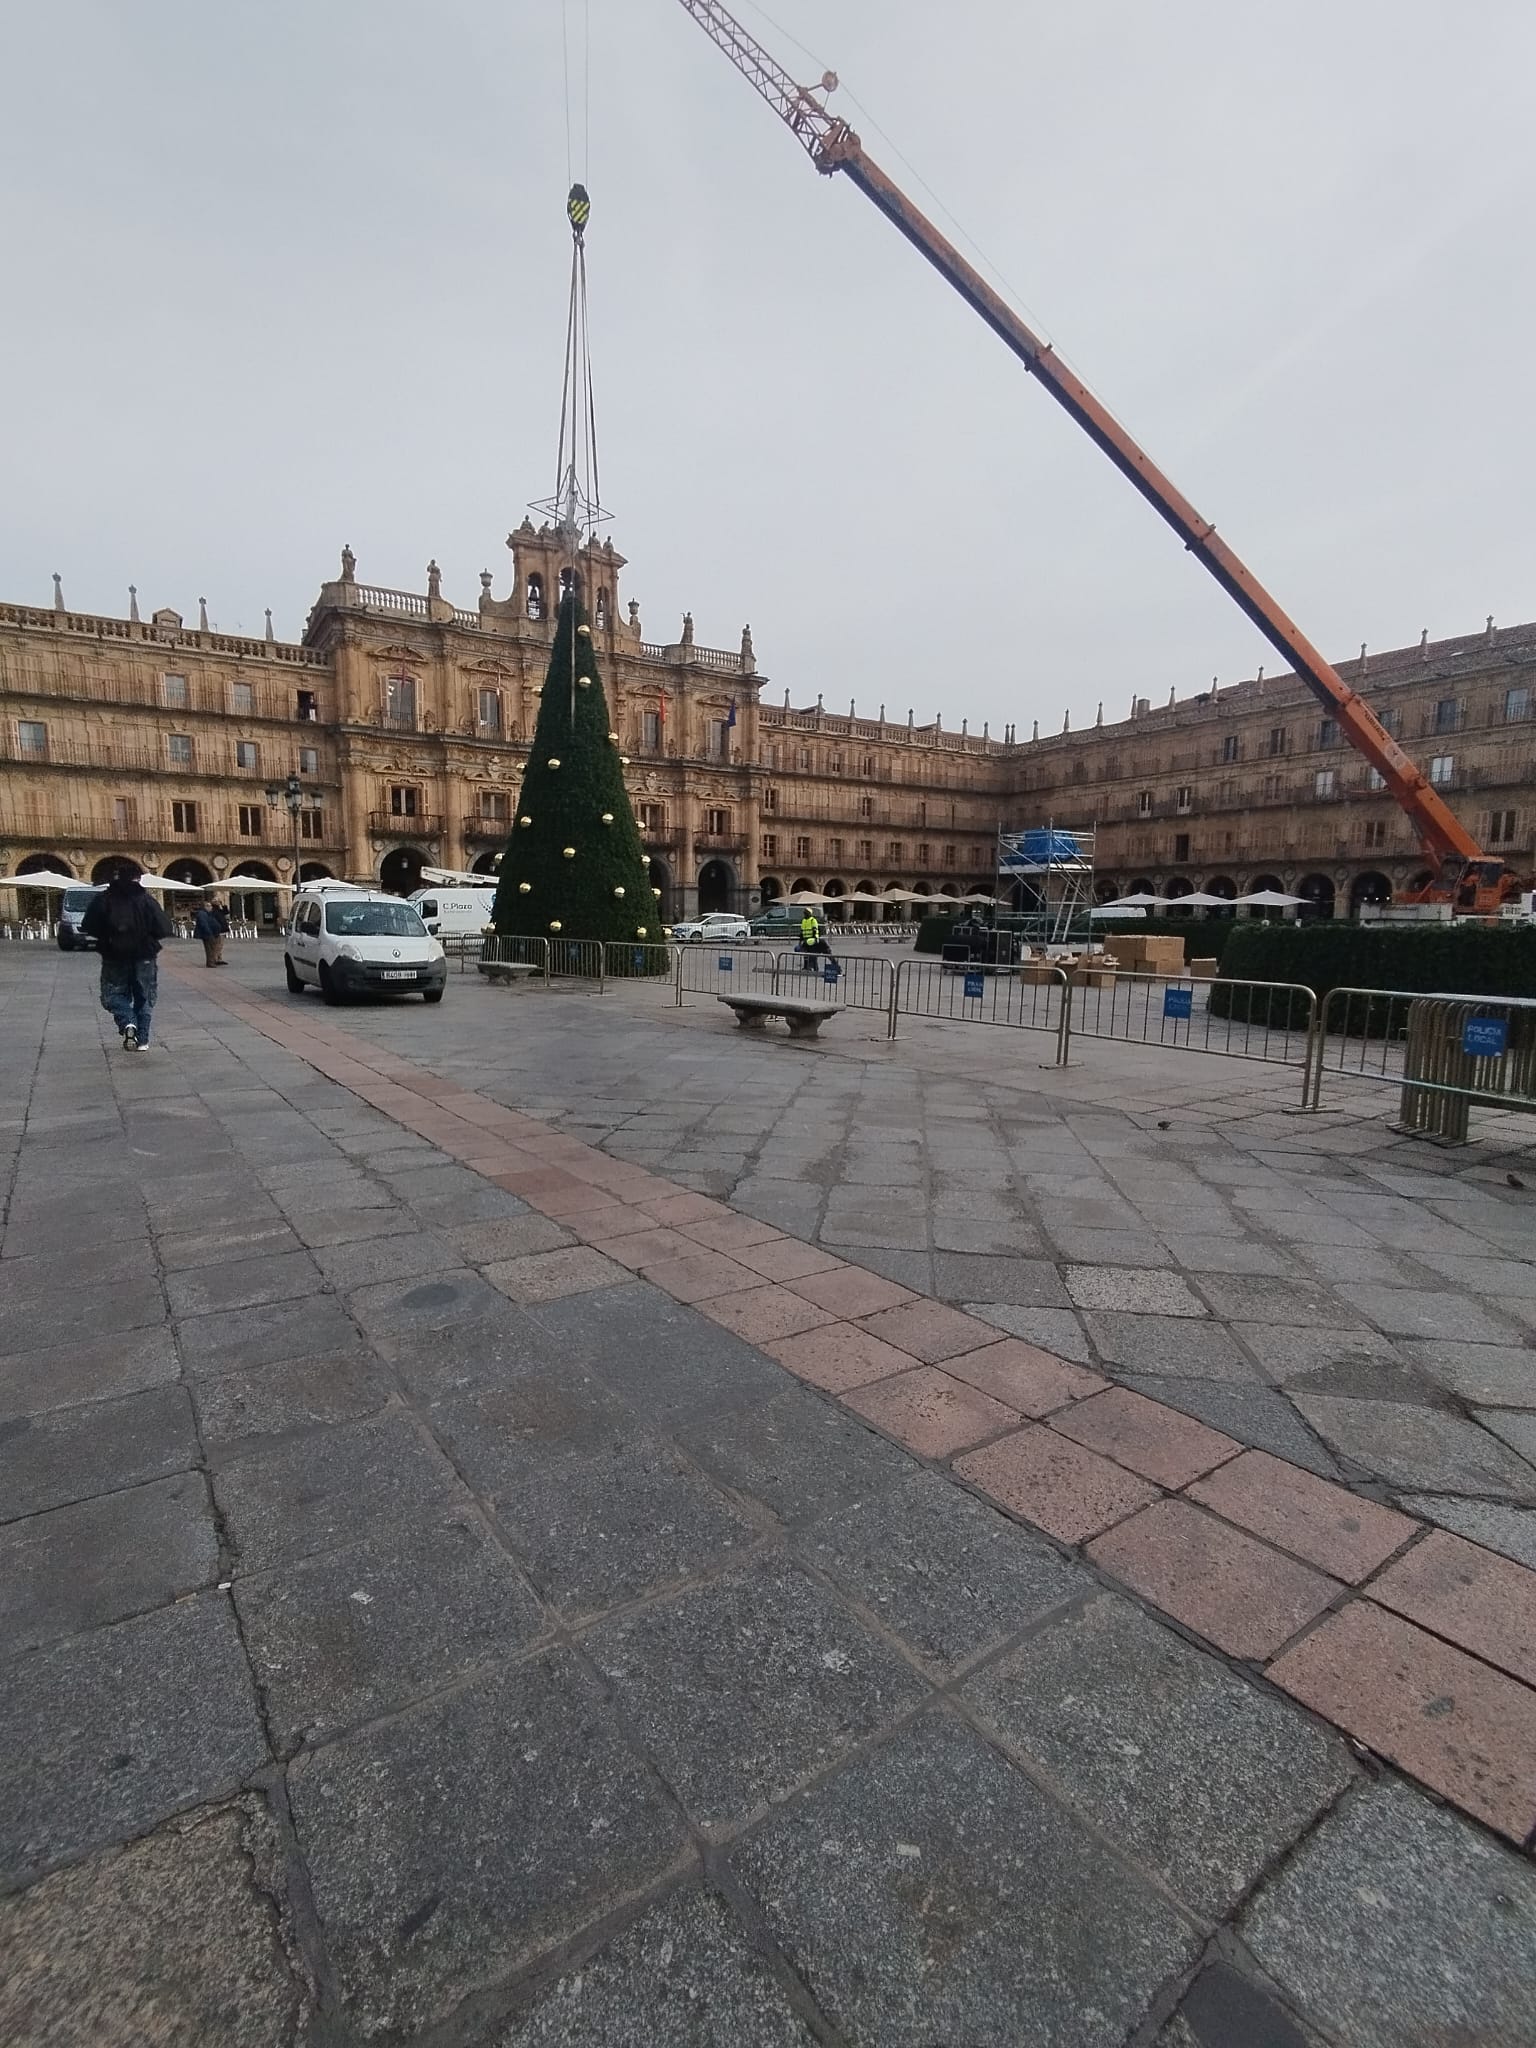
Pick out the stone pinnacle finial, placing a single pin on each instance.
(133, 602)
(1036, 733)
(202, 615)
(270, 636)
(1490, 625)
(58, 593)
(1100, 719)
(1066, 721)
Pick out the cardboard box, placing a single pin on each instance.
(1202, 970)
(1037, 973)
(1127, 949)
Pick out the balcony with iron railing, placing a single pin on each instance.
(486, 830)
(405, 825)
(720, 842)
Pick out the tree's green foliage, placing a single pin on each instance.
(567, 875)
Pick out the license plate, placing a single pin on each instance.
(398, 974)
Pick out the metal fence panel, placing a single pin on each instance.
(638, 960)
(856, 981)
(1446, 1052)
(518, 952)
(576, 960)
(1028, 998)
(723, 970)
(1269, 1021)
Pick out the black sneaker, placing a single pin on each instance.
(130, 1038)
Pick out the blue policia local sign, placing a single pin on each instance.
(1178, 1002)
(1484, 1037)
(975, 985)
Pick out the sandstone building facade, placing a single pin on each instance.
(406, 718)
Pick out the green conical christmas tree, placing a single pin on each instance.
(574, 868)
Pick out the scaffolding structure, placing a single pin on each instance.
(1045, 874)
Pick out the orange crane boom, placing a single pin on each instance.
(1457, 861)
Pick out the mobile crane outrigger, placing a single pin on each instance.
(1461, 873)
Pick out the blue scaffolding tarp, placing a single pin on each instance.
(1041, 849)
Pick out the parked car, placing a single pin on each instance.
(777, 921)
(360, 941)
(75, 903)
(719, 927)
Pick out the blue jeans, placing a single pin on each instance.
(128, 990)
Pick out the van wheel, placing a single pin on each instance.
(295, 986)
(329, 992)
(431, 995)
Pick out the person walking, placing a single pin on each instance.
(128, 926)
(210, 923)
(810, 931)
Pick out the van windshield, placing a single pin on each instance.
(373, 920)
(78, 899)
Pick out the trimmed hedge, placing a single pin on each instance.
(1460, 959)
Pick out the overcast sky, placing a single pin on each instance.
(289, 274)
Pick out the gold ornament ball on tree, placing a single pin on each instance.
(618, 892)
(607, 817)
(569, 852)
(554, 761)
(584, 631)
(613, 739)
(524, 888)
(641, 930)
(554, 924)
(525, 822)
(657, 894)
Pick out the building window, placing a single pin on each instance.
(1328, 732)
(1517, 705)
(404, 800)
(535, 597)
(1501, 827)
(866, 852)
(835, 851)
(1274, 786)
(802, 849)
(650, 731)
(867, 765)
(250, 821)
(770, 847)
(1181, 846)
(866, 807)
(1374, 779)
(173, 691)
(717, 823)
(183, 817)
(494, 804)
(1374, 832)
(1322, 782)
(311, 824)
(1277, 739)
(1392, 722)
(922, 814)
(805, 758)
(893, 853)
(247, 755)
(1144, 804)
(305, 708)
(488, 711)
(653, 818)
(770, 799)
(32, 738)
(400, 700)
(924, 854)
(837, 764)
(124, 815)
(1442, 770)
(242, 700)
(1447, 714)
(949, 856)
(1229, 747)
(309, 760)
(1184, 799)
(178, 749)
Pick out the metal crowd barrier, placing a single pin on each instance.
(1268, 1021)
(1033, 997)
(1444, 1052)
(518, 952)
(856, 981)
(721, 970)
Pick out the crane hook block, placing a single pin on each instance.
(577, 209)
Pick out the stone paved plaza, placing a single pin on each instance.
(550, 1520)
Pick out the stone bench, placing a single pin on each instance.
(507, 971)
(804, 1019)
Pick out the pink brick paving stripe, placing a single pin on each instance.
(1467, 1732)
(1327, 1525)
(1430, 1697)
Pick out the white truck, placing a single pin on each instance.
(452, 911)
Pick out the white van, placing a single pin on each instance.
(357, 942)
(455, 912)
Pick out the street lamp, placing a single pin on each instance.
(295, 796)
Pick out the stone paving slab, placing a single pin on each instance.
(513, 1487)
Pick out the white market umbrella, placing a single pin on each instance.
(240, 885)
(43, 879)
(150, 881)
(1201, 899)
(978, 896)
(860, 896)
(809, 898)
(1270, 899)
(1142, 900)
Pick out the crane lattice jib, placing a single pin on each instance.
(833, 146)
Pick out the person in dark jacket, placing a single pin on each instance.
(210, 923)
(128, 926)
